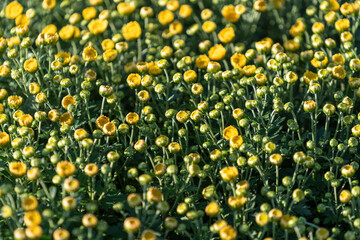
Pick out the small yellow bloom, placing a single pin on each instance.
(13, 41)
(132, 224)
(25, 120)
(208, 26)
(226, 35)
(229, 174)
(132, 118)
(202, 61)
(110, 55)
(342, 25)
(109, 129)
(17, 169)
(13, 10)
(101, 121)
(217, 52)
(154, 69)
(29, 203)
(4, 71)
(125, 9)
(4, 139)
(33, 232)
(230, 132)
(34, 88)
(185, 11)
(32, 218)
(238, 60)
(107, 44)
(228, 233)
(48, 4)
(22, 20)
(89, 54)
(134, 80)
(97, 26)
(176, 28)
(212, 209)
(236, 141)
(260, 6)
(318, 64)
(131, 31)
(66, 118)
(65, 168)
(50, 29)
(61, 234)
(229, 13)
(165, 17)
(89, 220)
(66, 56)
(31, 65)
(67, 32)
(89, 13)
(91, 169)
(68, 100)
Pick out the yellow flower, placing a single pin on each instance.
(110, 55)
(61, 234)
(334, 5)
(89, 220)
(22, 20)
(17, 169)
(132, 224)
(33, 232)
(154, 195)
(50, 29)
(29, 203)
(65, 168)
(89, 54)
(208, 26)
(238, 60)
(236, 141)
(134, 80)
(65, 56)
(298, 28)
(229, 13)
(165, 17)
(4, 71)
(185, 11)
(310, 76)
(25, 120)
(107, 44)
(260, 6)
(131, 31)
(190, 76)
(230, 132)
(176, 28)
(4, 139)
(229, 174)
(228, 233)
(66, 118)
(68, 100)
(13, 41)
(217, 52)
(48, 4)
(262, 219)
(13, 10)
(212, 209)
(236, 202)
(96, 2)
(14, 101)
(154, 69)
(342, 25)
(31, 65)
(67, 32)
(97, 26)
(338, 72)
(101, 121)
(32, 218)
(173, 5)
(125, 9)
(318, 64)
(202, 61)
(109, 129)
(338, 59)
(91, 169)
(291, 45)
(278, 3)
(75, 18)
(89, 13)
(132, 118)
(226, 35)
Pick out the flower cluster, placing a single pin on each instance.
(177, 119)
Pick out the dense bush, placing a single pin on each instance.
(179, 119)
